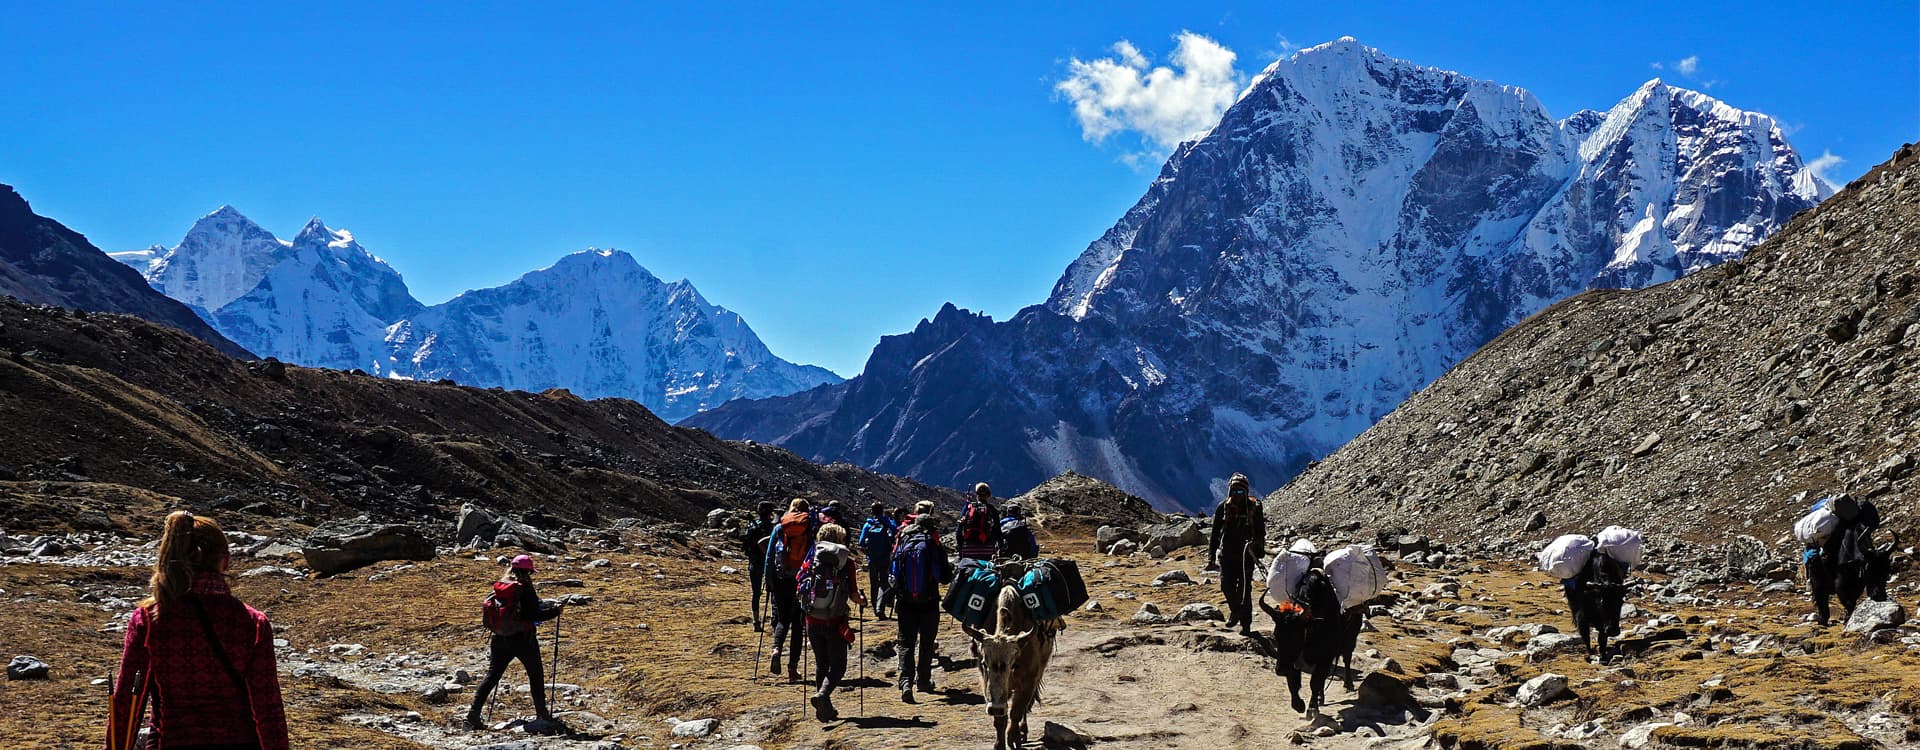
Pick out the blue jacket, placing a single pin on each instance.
(876, 537)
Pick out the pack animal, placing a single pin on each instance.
(1309, 634)
(1594, 597)
(1013, 660)
(1864, 569)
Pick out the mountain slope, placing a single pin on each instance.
(113, 402)
(1704, 406)
(595, 323)
(44, 262)
(598, 324)
(1353, 226)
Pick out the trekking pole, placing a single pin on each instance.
(806, 641)
(553, 672)
(863, 661)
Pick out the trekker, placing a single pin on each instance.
(914, 575)
(753, 544)
(204, 657)
(1239, 537)
(1850, 540)
(876, 541)
(1016, 537)
(789, 544)
(827, 580)
(835, 513)
(978, 535)
(511, 614)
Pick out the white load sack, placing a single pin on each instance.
(1815, 527)
(1292, 564)
(1565, 557)
(1357, 574)
(1622, 544)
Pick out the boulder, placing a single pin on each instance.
(516, 534)
(696, 728)
(1748, 558)
(1548, 645)
(27, 668)
(1175, 535)
(1124, 548)
(1384, 691)
(339, 546)
(1199, 611)
(1172, 578)
(1872, 615)
(1107, 536)
(1408, 544)
(475, 522)
(1642, 736)
(1062, 735)
(719, 518)
(1541, 690)
(1537, 521)
(1150, 615)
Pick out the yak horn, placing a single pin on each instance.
(973, 632)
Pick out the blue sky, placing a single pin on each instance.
(833, 176)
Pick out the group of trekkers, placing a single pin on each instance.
(206, 660)
(804, 569)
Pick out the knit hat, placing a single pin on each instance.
(524, 562)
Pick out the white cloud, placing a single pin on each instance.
(1164, 104)
(1824, 163)
(1688, 65)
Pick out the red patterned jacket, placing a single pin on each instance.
(194, 699)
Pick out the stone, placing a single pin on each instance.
(600, 563)
(1541, 690)
(1642, 736)
(1124, 548)
(696, 728)
(475, 523)
(1647, 444)
(1537, 521)
(516, 534)
(1199, 611)
(1548, 645)
(1150, 615)
(1106, 536)
(340, 546)
(1172, 578)
(1053, 734)
(1747, 558)
(1175, 535)
(1384, 691)
(1408, 544)
(719, 518)
(27, 668)
(1872, 615)
(49, 549)
(435, 695)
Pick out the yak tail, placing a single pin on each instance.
(1271, 612)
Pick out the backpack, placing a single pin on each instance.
(976, 527)
(1237, 516)
(1052, 589)
(823, 588)
(1016, 539)
(793, 539)
(909, 574)
(500, 611)
(975, 591)
(876, 539)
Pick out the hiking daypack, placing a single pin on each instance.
(500, 611)
(976, 527)
(909, 575)
(975, 590)
(1238, 515)
(876, 539)
(793, 539)
(1052, 589)
(1016, 539)
(823, 590)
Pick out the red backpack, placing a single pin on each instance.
(500, 612)
(976, 527)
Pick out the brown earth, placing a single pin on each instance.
(1703, 407)
(95, 404)
(666, 635)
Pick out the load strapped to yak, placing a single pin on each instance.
(1567, 556)
(1049, 587)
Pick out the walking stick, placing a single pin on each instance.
(806, 640)
(553, 672)
(863, 661)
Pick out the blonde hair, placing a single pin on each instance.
(799, 504)
(833, 532)
(924, 506)
(189, 547)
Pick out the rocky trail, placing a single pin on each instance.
(657, 651)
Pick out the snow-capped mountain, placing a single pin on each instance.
(598, 324)
(1354, 226)
(595, 323)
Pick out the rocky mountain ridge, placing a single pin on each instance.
(1354, 226)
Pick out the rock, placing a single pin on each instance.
(339, 546)
(49, 549)
(475, 523)
(1647, 444)
(1199, 611)
(1053, 734)
(1537, 521)
(1124, 548)
(1541, 690)
(1548, 645)
(1408, 544)
(1172, 577)
(1384, 691)
(585, 721)
(1642, 736)
(435, 695)
(1747, 558)
(516, 534)
(719, 518)
(1150, 615)
(1106, 536)
(600, 563)
(1175, 535)
(1872, 615)
(696, 728)
(27, 668)
(271, 570)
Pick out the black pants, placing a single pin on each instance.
(1235, 578)
(829, 655)
(919, 622)
(877, 583)
(504, 650)
(1820, 580)
(757, 570)
(787, 625)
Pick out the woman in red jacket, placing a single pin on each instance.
(204, 658)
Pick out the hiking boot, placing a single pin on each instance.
(926, 686)
(758, 628)
(823, 707)
(906, 696)
(473, 722)
(773, 667)
(794, 676)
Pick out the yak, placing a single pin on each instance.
(1594, 597)
(1864, 569)
(1013, 659)
(1310, 632)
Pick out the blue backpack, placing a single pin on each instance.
(910, 575)
(876, 539)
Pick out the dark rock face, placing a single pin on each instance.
(340, 546)
(43, 262)
(1353, 227)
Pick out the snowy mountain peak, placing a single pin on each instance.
(316, 234)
